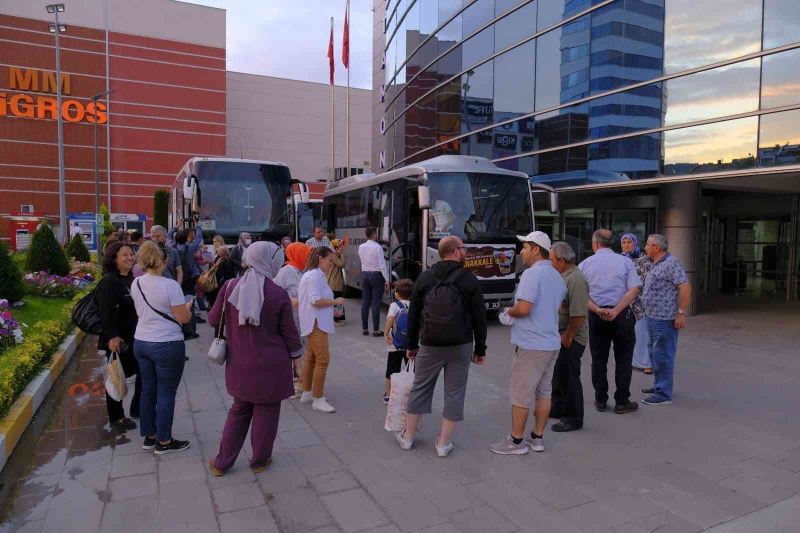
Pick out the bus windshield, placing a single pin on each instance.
(308, 216)
(478, 208)
(238, 196)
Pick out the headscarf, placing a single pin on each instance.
(286, 241)
(297, 255)
(264, 259)
(241, 240)
(636, 251)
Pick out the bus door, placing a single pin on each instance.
(407, 221)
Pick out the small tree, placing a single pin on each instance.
(76, 249)
(11, 288)
(105, 231)
(160, 207)
(46, 254)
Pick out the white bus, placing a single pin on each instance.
(226, 196)
(415, 206)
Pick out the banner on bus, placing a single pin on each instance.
(491, 261)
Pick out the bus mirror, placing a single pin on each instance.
(554, 202)
(424, 197)
(188, 192)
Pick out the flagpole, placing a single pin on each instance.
(348, 87)
(333, 119)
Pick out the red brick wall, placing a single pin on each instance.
(168, 105)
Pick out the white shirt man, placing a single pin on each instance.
(374, 282)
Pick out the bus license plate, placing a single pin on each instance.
(492, 305)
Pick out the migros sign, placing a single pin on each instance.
(46, 107)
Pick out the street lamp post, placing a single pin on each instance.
(56, 29)
(94, 99)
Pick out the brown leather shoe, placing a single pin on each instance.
(214, 470)
(257, 469)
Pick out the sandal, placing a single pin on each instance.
(214, 470)
(260, 468)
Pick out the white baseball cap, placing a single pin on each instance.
(537, 237)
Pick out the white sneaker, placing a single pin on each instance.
(536, 444)
(404, 443)
(321, 404)
(443, 451)
(306, 397)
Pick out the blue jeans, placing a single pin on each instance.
(372, 284)
(161, 367)
(663, 347)
(641, 351)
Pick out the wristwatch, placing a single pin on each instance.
(681, 312)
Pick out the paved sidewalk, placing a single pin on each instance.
(727, 450)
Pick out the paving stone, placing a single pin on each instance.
(133, 465)
(281, 476)
(664, 522)
(299, 510)
(316, 460)
(186, 506)
(299, 438)
(77, 508)
(28, 527)
(334, 482)
(181, 469)
(354, 510)
(594, 516)
(134, 516)
(254, 520)
(763, 491)
(238, 497)
(770, 472)
(482, 520)
(133, 487)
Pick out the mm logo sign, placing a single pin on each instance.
(36, 106)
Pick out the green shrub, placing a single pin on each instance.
(18, 365)
(45, 254)
(20, 258)
(161, 208)
(76, 249)
(11, 287)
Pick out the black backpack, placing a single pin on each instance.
(445, 317)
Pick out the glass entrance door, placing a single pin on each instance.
(639, 221)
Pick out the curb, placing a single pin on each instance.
(19, 416)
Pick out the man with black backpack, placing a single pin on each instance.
(446, 330)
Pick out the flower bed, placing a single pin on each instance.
(44, 284)
(20, 363)
(10, 328)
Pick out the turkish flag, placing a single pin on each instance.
(346, 37)
(330, 53)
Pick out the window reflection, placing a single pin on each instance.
(700, 33)
(713, 93)
(514, 27)
(781, 20)
(780, 84)
(729, 145)
(779, 139)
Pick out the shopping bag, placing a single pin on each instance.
(398, 400)
(116, 384)
(338, 312)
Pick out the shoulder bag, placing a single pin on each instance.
(218, 351)
(162, 315)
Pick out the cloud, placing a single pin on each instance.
(289, 39)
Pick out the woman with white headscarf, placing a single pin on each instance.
(261, 340)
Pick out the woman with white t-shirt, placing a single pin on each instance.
(159, 348)
(316, 323)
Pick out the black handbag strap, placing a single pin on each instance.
(221, 330)
(163, 315)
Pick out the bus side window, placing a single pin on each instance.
(374, 207)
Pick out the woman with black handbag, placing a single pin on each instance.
(118, 317)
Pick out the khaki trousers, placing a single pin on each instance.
(315, 362)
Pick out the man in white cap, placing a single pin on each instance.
(534, 332)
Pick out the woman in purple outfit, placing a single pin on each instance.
(261, 339)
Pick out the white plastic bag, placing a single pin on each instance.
(116, 385)
(398, 400)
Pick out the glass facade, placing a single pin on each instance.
(577, 92)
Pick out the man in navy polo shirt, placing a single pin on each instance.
(666, 297)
